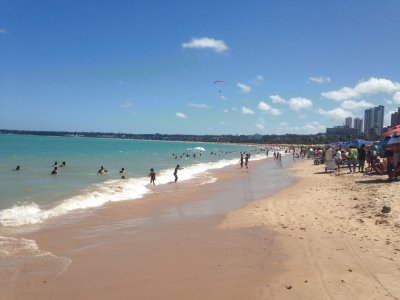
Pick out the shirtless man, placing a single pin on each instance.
(178, 167)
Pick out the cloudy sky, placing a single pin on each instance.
(196, 67)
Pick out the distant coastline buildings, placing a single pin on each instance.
(371, 125)
(373, 120)
(348, 121)
(395, 118)
(358, 124)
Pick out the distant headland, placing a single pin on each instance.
(308, 139)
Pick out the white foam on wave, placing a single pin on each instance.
(109, 191)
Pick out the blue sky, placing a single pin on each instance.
(150, 66)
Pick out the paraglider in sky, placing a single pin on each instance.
(218, 83)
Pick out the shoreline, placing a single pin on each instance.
(322, 237)
(177, 212)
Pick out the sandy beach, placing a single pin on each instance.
(322, 237)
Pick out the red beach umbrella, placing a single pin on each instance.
(393, 130)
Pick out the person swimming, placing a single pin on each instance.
(102, 170)
(54, 172)
(62, 165)
(17, 168)
(122, 172)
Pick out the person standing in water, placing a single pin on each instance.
(152, 176)
(178, 167)
(246, 161)
(241, 160)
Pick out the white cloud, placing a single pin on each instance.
(126, 104)
(222, 97)
(275, 112)
(354, 105)
(299, 103)
(260, 126)
(371, 86)
(396, 98)
(314, 127)
(244, 88)
(320, 79)
(180, 115)
(260, 78)
(3, 31)
(234, 109)
(226, 110)
(264, 106)
(198, 105)
(247, 111)
(206, 43)
(335, 114)
(277, 99)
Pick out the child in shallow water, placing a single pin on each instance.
(152, 176)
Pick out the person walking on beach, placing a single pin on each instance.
(338, 158)
(246, 161)
(178, 167)
(353, 156)
(152, 176)
(241, 160)
(362, 154)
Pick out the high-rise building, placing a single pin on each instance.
(348, 122)
(358, 124)
(395, 118)
(373, 120)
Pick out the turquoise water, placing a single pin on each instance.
(31, 195)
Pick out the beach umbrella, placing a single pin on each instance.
(395, 129)
(355, 143)
(394, 138)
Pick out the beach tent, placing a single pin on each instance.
(395, 129)
(354, 143)
(388, 140)
(394, 138)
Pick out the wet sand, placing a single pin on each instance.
(164, 246)
(323, 237)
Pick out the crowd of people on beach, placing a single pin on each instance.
(353, 157)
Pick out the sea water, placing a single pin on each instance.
(31, 195)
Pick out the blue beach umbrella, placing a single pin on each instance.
(355, 143)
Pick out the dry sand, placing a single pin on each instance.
(333, 240)
(322, 238)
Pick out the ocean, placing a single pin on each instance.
(32, 195)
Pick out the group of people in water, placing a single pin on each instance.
(56, 166)
(152, 173)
